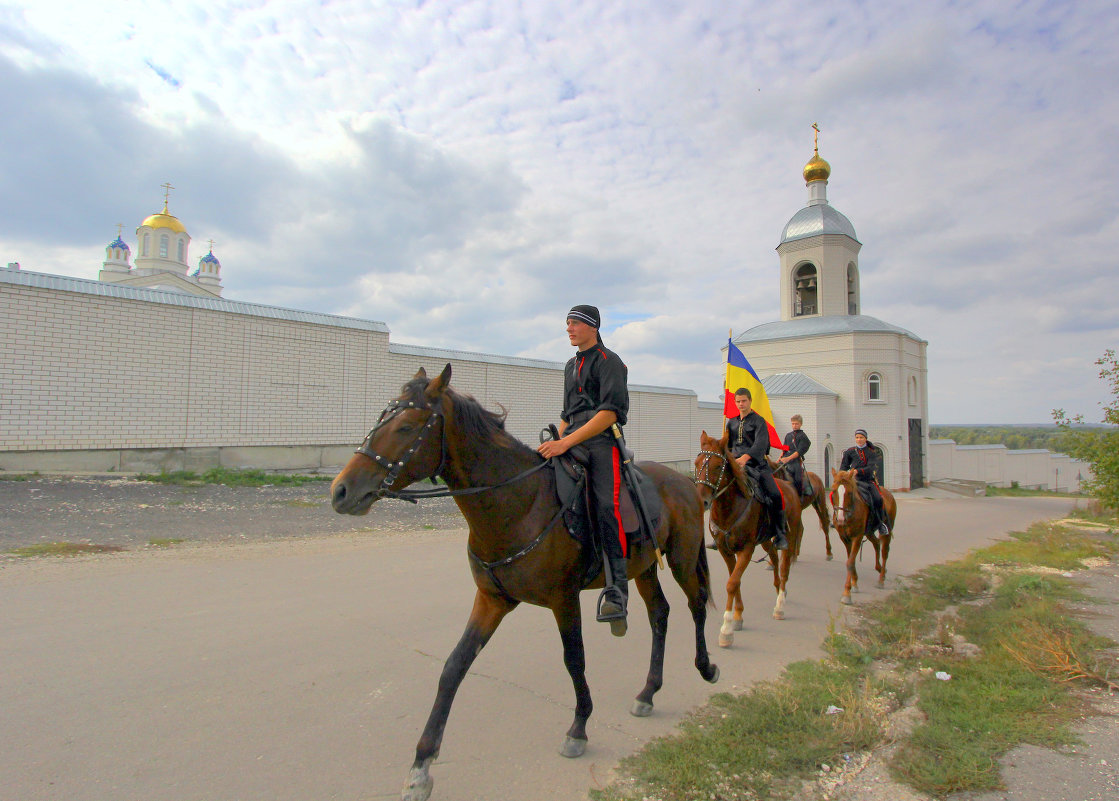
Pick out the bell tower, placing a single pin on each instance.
(819, 252)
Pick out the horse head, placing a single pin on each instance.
(843, 496)
(715, 469)
(406, 445)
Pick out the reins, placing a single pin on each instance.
(715, 488)
(394, 468)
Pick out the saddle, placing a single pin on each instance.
(572, 493)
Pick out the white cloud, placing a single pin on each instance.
(467, 171)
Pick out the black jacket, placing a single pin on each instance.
(798, 441)
(594, 380)
(867, 462)
(749, 435)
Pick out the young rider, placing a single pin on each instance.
(865, 458)
(595, 396)
(748, 440)
(798, 444)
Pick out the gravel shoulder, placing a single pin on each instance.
(128, 513)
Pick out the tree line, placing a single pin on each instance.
(1015, 438)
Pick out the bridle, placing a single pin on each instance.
(847, 512)
(718, 488)
(394, 469)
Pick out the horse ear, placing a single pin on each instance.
(834, 474)
(703, 437)
(421, 373)
(439, 383)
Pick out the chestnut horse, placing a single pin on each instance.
(817, 500)
(735, 518)
(851, 518)
(518, 545)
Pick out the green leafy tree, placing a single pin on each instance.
(1098, 447)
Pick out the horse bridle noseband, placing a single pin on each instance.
(722, 472)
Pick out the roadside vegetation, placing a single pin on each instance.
(1015, 491)
(979, 655)
(231, 478)
(63, 549)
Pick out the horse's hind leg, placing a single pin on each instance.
(487, 613)
(782, 560)
(822, 514)
(885, 555)
(650, 588)
(570, 623)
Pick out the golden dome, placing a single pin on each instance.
(817, 169)
(165, 220)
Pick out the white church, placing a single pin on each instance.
(827, 361)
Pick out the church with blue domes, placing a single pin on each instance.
(162, 245)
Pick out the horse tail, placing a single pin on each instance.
(703, 573)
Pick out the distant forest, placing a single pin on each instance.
(1013, 437)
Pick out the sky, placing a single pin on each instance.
(465, 172)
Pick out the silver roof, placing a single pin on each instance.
(107, 289)
(814, 220)
(820, 325)
(794, 384)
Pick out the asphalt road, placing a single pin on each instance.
(304, 668)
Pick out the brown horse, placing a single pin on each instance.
(735, 519)
(518, 545)
(851, 520)
(817, 500)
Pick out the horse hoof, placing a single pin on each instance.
(830, 557)
(641, 709)
(737, 625)
(881, 583)
(573, 748)
(726, 640)
(845, 600)
(778, 615)
(714, 674)
(418, 786)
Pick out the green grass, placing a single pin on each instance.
(18, 476)
(63, 549)
(1022, 492)
(1033, 654)
(231, 478)
(164, 542)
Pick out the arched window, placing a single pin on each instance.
(182, 251)
(805, 291)
(912, 390)
(874, 387)
(144, 245)
(852, 289)
(827, 461)
(163, 243)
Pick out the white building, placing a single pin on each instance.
(825, 360)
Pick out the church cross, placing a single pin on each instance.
(211, 246)
(120, 227)
(166, 193)
(816, 137)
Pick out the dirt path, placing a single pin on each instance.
(304, 666)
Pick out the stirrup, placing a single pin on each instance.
(611, 611)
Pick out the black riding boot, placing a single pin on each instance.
(883, 527)
(612, 601)
(779, 525)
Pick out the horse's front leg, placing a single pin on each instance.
(734, 593)
(852, 583)
(889, 538)
(484, 619)
(657, 605)
(569, 620)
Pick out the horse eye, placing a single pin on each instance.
(405, 428)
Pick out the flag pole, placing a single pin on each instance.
(730, 336)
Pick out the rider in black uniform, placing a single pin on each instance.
(595, 397)
(797, 444)
(748, 440)
(866, 459)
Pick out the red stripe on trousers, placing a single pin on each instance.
(617, 499)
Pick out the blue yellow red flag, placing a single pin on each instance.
(741, 374)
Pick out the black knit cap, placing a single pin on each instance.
(585, 314)
(860, 431)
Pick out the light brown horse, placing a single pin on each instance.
(851, 518)
(519, 547)
(816, 500)
(735, 519)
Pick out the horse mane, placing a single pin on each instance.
(470, 417)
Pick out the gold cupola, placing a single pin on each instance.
(166, 220)
(816, 169)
